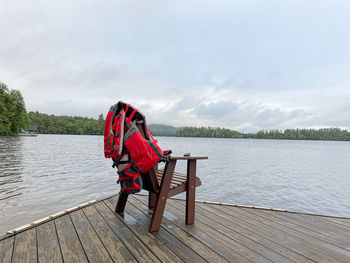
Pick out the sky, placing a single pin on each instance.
(241, 64)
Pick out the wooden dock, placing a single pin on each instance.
(221, 233)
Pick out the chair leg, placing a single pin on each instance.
(190, 192)
(152, 197)
(162, 196)
(119, 208)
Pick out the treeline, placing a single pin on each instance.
(207, 132)
(326, 134)
(52, 124)
(13, 116)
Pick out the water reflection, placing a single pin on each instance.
(10, 169)
(46, 174)
(49, 173)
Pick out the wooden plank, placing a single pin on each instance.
(174, 180)
(340, 221)
(48, 218)
(189, 240)
(189, 157)
(190, 191)
(93, 247)
(177, 178)
(152, 197)
(222, 242)
(48, 246)
(235, 236)
(6, 247)
(311, 248)
(25, 249)
(254, 224)
(110, 240)
(180, 189)
(272, 250)
(179, 248)
(243, 225)
(71, 248)
(159, 246)
(162, 196)
(176, 175)
(316, 231)
(314, 222)
(135, 246)
(175, 184)
(120, 206)
(211, 240)
(153, 180)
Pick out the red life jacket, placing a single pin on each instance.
(144, 153)
(122, 136)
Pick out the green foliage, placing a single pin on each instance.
(51, 124)
(208, 132)
(331, 134)
(13, 115)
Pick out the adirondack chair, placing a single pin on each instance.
(163, 184)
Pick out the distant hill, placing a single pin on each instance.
(162, 129)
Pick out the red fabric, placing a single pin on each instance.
(126, 108)
(154, 142)
(107, 139)
(141, 153)
(150, 135)
(132, 114)
(129, 176)
(112, 135)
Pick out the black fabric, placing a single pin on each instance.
(127, 181)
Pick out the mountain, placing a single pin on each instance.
(162, 130)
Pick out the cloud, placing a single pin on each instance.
(219, 110)
(277, 118)
(235, 64)
(243, 116)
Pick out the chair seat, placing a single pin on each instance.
(178, 182)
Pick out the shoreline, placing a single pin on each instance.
(247, 138)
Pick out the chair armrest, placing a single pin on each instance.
(189, 157)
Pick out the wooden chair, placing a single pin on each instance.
(163, 184)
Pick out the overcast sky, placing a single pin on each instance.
(240, 64)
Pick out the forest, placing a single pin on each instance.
(329, 134)
(324, 134)
(207, 132)
(52, 124)
(13, 116)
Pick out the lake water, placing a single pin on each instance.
(43, 175)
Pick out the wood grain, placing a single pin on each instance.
(48, 245)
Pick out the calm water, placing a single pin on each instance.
(43, 175)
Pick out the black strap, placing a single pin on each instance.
(167, 153)
(115, 164)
